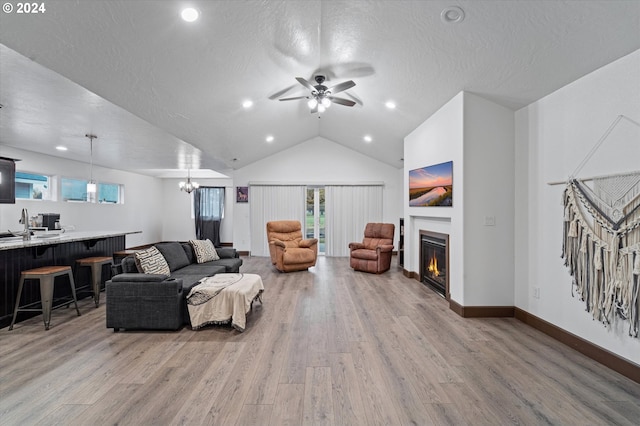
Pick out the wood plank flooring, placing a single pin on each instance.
(329, 347)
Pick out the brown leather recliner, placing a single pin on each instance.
(289, 252)
(373, 254)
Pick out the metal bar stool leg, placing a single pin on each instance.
(96, 264)
(46, 295)
(15, 310)
(73, 291)
(96, 279)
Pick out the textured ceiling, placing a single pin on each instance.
(161, 93)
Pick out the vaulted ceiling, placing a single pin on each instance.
(161, 93)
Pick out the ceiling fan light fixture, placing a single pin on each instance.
(322, 97)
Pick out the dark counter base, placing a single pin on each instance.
(13, 262)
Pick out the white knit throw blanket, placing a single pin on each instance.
(601, 247)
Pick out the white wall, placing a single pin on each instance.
(317, 161)
(142, 210)
(488, 195)
(439, 139)
(477, 135)
(553, 136)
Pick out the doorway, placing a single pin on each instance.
(314, 217)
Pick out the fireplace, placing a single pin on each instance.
(434, 261)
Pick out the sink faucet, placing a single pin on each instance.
(26, 235)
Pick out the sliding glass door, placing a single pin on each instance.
(315, 217)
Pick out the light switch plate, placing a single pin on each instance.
(489, 221)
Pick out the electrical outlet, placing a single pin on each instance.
(489, 221)
(536, 292)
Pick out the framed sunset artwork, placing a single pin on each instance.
(431, 186)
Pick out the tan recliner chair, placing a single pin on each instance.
(373, 254)
(289, 252)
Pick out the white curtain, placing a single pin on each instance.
(275, 202)
(348, 209)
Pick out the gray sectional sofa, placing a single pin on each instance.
(157, 301)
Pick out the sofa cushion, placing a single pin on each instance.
(231, 265)
(129, 265)
(138, 278)
(365, 254)
(298, 255)
(204, 250)
(151, 261)
(188, 250)
(193, 273)
(174, 255)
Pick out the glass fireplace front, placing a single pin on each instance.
(433, 262)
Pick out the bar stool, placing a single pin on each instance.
(96, 264)
(47, 276)
(121, 254)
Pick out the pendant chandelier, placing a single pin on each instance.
(188, 186)
(91, 185)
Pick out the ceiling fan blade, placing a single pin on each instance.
(281, 92)
(293, 99)
(341, 101)
(305, 83)
(355, 98)
(342, 86)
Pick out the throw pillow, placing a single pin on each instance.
(151, 261)
(204, 250)
(174, 255)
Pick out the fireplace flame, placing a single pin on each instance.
(433, 266)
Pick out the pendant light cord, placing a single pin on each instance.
(91, 138)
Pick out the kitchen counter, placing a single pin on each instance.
(49, 249)
(56, 237)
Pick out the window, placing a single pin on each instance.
(209, 211)
(109, 193)
(315, 218)
(76, 190)
(32, 186)
(73, 190)
(210, 203)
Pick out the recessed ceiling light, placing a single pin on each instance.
(390, 104)
(61, 148)
(452, 15)
(367, 138)
(247, 104)
(269, 138)
(189, 14)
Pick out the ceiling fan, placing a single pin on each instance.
(321, 96)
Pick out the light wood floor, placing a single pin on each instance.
(329, 346)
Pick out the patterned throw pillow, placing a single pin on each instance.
(151, 261)
(204, 250)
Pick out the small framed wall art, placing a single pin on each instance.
(242, 194)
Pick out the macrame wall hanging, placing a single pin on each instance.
(601, 241)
